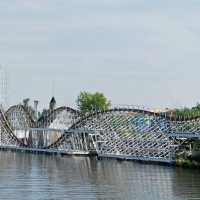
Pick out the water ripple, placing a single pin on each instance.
(31, 176)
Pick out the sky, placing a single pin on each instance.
(137, 52)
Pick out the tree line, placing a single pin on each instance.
(87, 103)
(194, 111)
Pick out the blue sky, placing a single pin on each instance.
(136, 52)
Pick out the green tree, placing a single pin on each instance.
(91, 102)
(188, 112)
(26, 102)
(29, 108)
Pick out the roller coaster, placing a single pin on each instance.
(125, 132)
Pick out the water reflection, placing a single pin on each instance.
(186, 183)
(29, 176)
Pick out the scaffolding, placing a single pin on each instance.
(3, 88)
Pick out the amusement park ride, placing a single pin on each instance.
(126, 132)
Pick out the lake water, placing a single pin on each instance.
(31, 176)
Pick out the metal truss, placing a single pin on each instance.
(75, 142)
(3, 88)
(7, 136)
(19, 116)
(123, 132)
(128, 134)
(60, 118)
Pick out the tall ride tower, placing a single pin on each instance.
(3, 88)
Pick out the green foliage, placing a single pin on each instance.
(29, 107)
(188, 111)
(26, 101)
(183, 161)
(88, 102)
(39, 114)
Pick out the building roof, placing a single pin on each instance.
(53, 100)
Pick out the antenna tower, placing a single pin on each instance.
(3, 88)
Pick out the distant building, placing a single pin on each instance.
(52, 104)
(166, 110)
(45, 112)
(52, 107)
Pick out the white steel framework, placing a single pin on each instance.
(128, 132)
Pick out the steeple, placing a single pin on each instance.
(52, 104)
